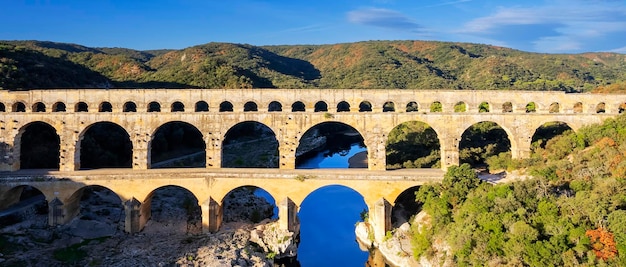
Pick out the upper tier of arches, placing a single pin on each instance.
(309, 100)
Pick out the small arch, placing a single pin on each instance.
(389, 107)
(507, 107)
(483, 107)
(460, 107)
(58, 107)
(154, 107)
(81, 107)
(622, 108)
(226, 107)
(531, 107)
(601, 108)
(298, 106)
(109, 212)
(19, 107)
(22, 196)
(250, 106)
(2, 107)
(202, 106)
(130, 107)
(39, 107)
(365, 106)
(405, 206)
(275, 106)
(321, 106)
(436, 107)
(343, 106)
(105, 107)
(578, 107)
(178, 107)
(177, 144)
(412, 107)
(555, 107)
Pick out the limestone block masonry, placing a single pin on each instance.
(140, 112)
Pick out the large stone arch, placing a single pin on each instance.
(192, 205)
(304, 135)
(558, 128)
(405, 206)
(71, 204)
(258, 132)
(226, 201)
(48, 135)
(510, 135)
(17, 139)
(416, 123)
(81, 136)
(13, 195)
(193, 135)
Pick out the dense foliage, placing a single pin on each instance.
(572, 212)
(372, 64)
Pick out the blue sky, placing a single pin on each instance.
(550, 26)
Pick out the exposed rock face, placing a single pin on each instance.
(280, 243)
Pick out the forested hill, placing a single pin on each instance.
(373, 64)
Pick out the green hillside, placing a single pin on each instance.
(372, 64)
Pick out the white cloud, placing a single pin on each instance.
(384, 18)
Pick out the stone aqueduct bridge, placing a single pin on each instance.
(288, 113)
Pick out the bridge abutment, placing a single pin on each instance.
(132, 223)
(288, 216)
(56, 214)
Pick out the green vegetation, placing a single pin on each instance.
(413, 145)
(572, 213)
(373, 64)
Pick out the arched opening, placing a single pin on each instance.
(546, 132)
(413, 144)
(154, 107)
(96, 212)
(578, 107)
(226, 107)
(178, 107)
(172, 209)
(404, 207)
(365, 106)
(481, 141)
(2, 107)
(202, 106)
(321, 106)
(248, 204)
(412, 107)
(275, 106)
(331, 145)
(81, 107)
(250, 144)
(58, 107)
(436, 107)
(343, 106)
(389, 107)
(105, 145)
(460, 107)
(329, 213)
(250, 106)
(555, 108)
(298, 106)
(601, 108)
(483, 107)
(19, 107)
(507, 107)
(130, 107)
(531, 107)
(177, 144)
(39, 107)
(105, 107)
(39, 146)
(26, 207)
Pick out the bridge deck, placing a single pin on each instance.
(422, 175)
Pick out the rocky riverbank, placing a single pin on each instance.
(171, 237)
